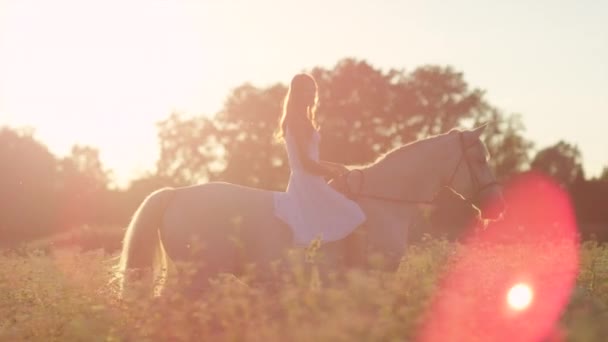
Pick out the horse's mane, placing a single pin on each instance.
(403, 148)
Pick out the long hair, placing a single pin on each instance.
(299, 108)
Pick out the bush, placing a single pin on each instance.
(66, 294)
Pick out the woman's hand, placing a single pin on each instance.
(335, 169)
(341, 169)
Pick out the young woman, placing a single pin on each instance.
(310, 206)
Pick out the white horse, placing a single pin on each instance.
(235, 225)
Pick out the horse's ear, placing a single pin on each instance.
(477, 131)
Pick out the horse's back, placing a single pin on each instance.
(224, 219)
(211, 200)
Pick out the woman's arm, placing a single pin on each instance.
(310, 165)
(338, 168)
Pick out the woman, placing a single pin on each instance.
(310, 206)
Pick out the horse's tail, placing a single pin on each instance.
(142, 248)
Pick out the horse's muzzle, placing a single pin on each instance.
(491, 204)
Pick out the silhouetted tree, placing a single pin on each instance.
(188, 149)
(363, 111)
(246, 127)
(27, 182)
(604, 174)
(508, 147)
(236, 146)
(82, 183)
(589, 198)
(41, 194)
(561, 161)
(367, 111)
(117, 206)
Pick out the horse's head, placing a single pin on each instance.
(472, 176)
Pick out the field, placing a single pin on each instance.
(64, 294)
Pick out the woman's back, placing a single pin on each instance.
(310, 206)
(312, 150)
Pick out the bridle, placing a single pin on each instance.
(474, 179)
(463, 157)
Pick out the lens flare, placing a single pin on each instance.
(510, 280)
(519, 297)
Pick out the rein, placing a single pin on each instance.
(350, 194)
(359, 194)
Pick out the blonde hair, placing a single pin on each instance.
(299, 108)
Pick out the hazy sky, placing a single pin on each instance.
(102, 72)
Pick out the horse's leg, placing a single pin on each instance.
(385, 233)
(266, 241)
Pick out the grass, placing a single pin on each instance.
(64, 294)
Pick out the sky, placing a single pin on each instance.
(103, 72)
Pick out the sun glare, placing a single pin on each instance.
(519, 297)
(97, 72)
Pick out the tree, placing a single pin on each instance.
(367, 111)
(81, 182)
(84, 161)
(236, 146)
(604, 174)
(506, 143)
(246, 127)
(27, 180)
(363, 112)
(189, 149)
(561, 161)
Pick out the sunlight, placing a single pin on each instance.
(93, 72)
(519, 297)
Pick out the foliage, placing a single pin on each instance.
(28, 171)
(589, 199)
(604, 175)
(509, 148)
(187, 149)
(81, 183)
(42, 194)
(561, 161)
(64, 295)
(363, 111)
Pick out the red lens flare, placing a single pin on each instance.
(512, 280)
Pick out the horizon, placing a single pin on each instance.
(186, 56)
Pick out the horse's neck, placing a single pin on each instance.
(413, 173)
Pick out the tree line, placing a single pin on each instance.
(363, 111)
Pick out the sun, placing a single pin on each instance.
(520, 296)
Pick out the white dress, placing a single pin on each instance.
(310, 206)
